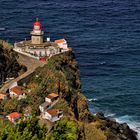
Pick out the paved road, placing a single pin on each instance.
(29, 62)
(31, 65)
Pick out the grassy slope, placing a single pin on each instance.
(61, 74)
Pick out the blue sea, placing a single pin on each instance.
(105, 35)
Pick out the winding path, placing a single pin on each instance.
(31, 65)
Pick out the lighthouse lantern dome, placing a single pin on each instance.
(37, 25)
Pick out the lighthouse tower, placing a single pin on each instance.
(37, 33)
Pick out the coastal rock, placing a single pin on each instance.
(122, 131)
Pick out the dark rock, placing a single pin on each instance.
(100, 115)
(125, 126)
(122, 131)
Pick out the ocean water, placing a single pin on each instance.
(105, 35)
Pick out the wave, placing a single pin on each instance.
(92, 99)
(110, 115)
(112, 96)
(130, 120)
(135, 125)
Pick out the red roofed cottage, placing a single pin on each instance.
(13, 117)
(51, 97)
(17, 92)
(52, 115)
(62, 43)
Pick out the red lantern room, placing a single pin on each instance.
(37, 25)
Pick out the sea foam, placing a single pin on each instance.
(131, 123)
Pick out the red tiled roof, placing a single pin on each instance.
(60, 41)
(52, 95)
(53, 112)
(17, 90)
(14, 115)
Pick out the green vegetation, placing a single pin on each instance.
(30, 130)
(25, 130)
(60, 75)
(64, 130)
(12, 105)
(92, 133)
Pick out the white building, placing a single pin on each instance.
(62, 43)
(17, 92)
(52, 115)
(43, 51)
(52, 97)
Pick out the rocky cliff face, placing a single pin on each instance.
(9, 67)
(61, 74)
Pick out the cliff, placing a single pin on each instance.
(9, 66)
(61, 75)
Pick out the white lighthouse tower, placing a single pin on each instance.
(37, 33)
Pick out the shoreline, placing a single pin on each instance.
(121, 119)
(134, 128)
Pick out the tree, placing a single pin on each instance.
(64, 130)
(25, 130)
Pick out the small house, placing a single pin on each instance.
(17, 92)
(14, 117)
(4, 96)
(44, 106)
(62, 43)
(51, 97)
(52, 114)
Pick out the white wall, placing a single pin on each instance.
(47, 116)
(23, 96)
(41, 108)
(12, 94)
(63, 45)
(55, 119)
(44, 52)
(48, 100)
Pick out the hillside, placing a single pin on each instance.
(9, 66)
(61, 75)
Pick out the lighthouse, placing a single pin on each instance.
(39, 48)
(37, 33)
